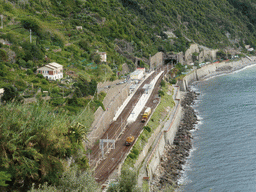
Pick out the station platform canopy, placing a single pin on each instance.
(147, 87)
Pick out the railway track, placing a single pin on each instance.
(104, 167)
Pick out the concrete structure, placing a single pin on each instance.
(141, 69)
(189, 53)
(51, 71)
(120, 109)
(213, 69)
(204, 54)
(115, 97)
(157, 60)
(132, 88)
(142, 101)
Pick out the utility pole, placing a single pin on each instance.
(2, 22)
(149, 62)
(107, 142)
(97, 93)
(105, 74)
(30, 37)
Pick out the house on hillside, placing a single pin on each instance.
(249, 48)
(51, 71)
(1, 92)
(103, 56)
(79, 27)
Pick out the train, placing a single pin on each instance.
(146, 114)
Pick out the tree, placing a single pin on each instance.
(127, 182)
(3, 55)
(84, 45)
(10, 93)
(34, 141)
(73, 180)
(76, 180)
(92, 87)
(3, 178)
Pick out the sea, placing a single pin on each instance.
(223, 157)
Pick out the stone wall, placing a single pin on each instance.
(205, 54)
(188, 54)
(157, 59)
(181, 58)
(201, 73)
(166, 138)
(102, 119)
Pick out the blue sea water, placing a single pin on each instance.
(224, 145)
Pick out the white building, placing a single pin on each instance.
(51, 71)
(138, 74)
(103, 56)
(1, 91)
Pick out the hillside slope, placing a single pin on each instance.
(71, 33)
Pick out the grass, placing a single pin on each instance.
(145, 186)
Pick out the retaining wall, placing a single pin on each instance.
(157, 59)
(102, 119)
(166, 138)
(203, 72)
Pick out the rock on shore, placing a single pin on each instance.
(175, 155)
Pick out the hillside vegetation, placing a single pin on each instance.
(37, 139)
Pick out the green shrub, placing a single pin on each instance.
(29, 72)
(20, 85)
(132, 156)
(160, 93)
(35, 81)
(162, 83)
(147, 128)
(33, 24)
(57, 101)
(3, 55)
(173, 81)
(44, 82)
(135, 151)
(96, 104)
(30, 64)
(55, 90)
(40, 76)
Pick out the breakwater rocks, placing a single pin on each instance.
(175, 155)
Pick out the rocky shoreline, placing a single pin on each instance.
(169, 171)
(175, 155)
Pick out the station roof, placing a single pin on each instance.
(147, 86)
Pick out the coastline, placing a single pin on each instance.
(175, 155)
(235, 67)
